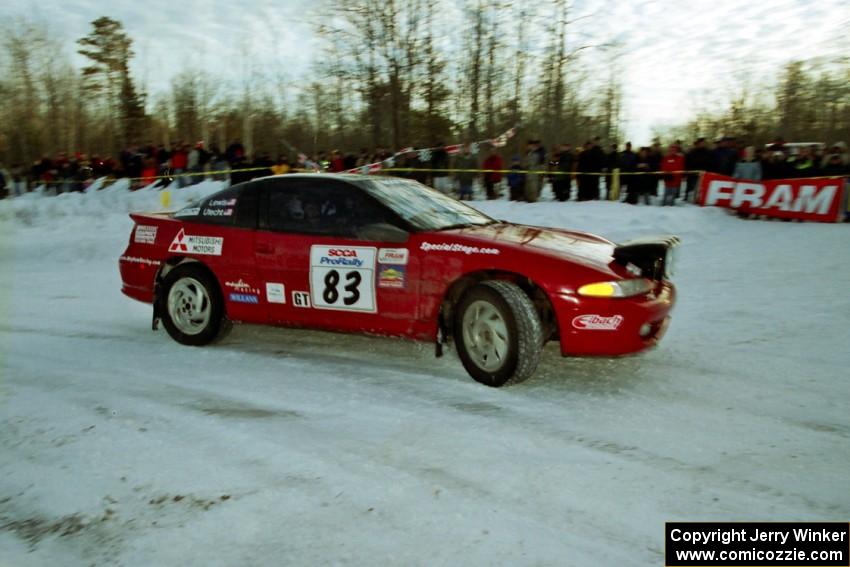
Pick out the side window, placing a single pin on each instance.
(321, 207)
(221, 207)
(247, 206)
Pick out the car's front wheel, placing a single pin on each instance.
(498, 333)
(191, 306)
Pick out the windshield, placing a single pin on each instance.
(423, 207)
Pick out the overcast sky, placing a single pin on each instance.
(676, 55)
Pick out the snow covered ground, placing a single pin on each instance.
(119, 446)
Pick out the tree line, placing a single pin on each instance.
(807, 101)
(388, 73)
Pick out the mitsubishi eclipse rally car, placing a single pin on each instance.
(390, 256)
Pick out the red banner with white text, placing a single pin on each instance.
(815, 199)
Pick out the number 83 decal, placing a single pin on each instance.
(343, 278)
(331, 294)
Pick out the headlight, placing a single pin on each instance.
(622, 288)
(670, 261)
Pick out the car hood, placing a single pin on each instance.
(571, 245)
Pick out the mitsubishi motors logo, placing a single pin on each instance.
(178, 245)
(191, 244)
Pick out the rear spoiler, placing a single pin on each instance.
(653, 256)
(148, 217)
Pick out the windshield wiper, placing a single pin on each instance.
(453, 226)
(469, 224)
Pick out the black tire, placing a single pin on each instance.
(524, 340)
(206, 329)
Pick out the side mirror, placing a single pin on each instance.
(381, 232)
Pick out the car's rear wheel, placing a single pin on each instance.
(498, 333)
(191, 306)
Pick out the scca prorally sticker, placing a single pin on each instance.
(343, 278)
(192, 244)
(395, 256)
(300, 299)
(455, 247)
(275, 292)
(390, 276)
(244, 298)
(597, 322)
(145, 234)
(190, 212)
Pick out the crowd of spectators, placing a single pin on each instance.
(650, 171)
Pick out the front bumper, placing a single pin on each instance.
(613, 327)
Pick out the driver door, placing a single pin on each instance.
(324, 263)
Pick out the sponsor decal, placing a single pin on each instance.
(392, 276)
(343, 278)
(396, 256)
(193, 244)
(218, 212)
(244, 298)
(222, 203)
(330, 256)
(145, 234)
(455, 247)
(242, 286)
(300, 299)
(190, 212)
(275, 293)
(137, 260)
(597, 322)
(807, 199)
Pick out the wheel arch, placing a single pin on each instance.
(167, 266)
(535, 292)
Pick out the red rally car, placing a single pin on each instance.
(390, 256)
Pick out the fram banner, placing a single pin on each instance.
(815, 199)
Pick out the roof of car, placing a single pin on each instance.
(350, 177)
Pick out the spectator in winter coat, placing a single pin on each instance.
(535, 160)
(838, 149)
(337, 163)
(149, 170)
(194, 163)
(697, 159)
(724, 157)
(627, 165)
(179, 163)
(776, 166)
(672, 165)
(590, 161)
(805, 164)
(364, 158)
(439, 163)
(835, 166)
(516, 180)
(465, 161)
(562, 164)
(492, 179)
(642, 185)
(749, 168)
(281, 166)
(235, 153)
(612, 162)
